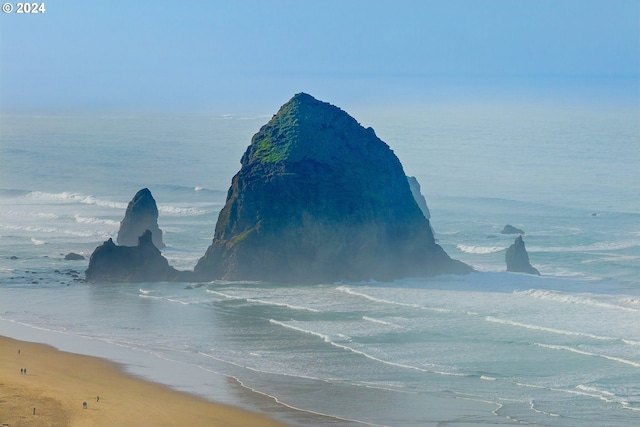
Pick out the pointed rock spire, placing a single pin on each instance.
(141, 215)
(517, 258)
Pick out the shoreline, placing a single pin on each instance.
(57, 383)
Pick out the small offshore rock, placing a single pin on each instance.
(510, 229)
(72, 256)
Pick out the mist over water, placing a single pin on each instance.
(562, 349)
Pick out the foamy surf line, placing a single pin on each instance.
(559, 331)
(280, 304)
(143, 295)
(328, 340)
(572, 299)
(385, 301)
(481, 250)
(308, 411)
(53, 230)
(68, 197)
(382, 322)
(595, 247)
(262, 301)
(585, 391)
(97, 221)
(587, 353)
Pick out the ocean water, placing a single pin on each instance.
(489, 348)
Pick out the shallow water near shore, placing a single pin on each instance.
(562, 349)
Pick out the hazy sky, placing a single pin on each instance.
(212, 55)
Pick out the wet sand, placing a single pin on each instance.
(56, 384)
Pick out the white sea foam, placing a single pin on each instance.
(605, 396)
(587, 353)
(51, 230)
(586, 391)
(174, 300)
(98, 221)
(68, 197)
(382, 322)
(180, 211)
(631, 301)
(595, 247)
(390, 302)
(469, 249)
(227, 296)
(328, 340)
(594, 390)
(324, 337)
(45, 215)
(396, 364)
(280, 402)
(36, 241)
(550, 330)
(572, 299)
(75, 198)
(280, 304)
(534, 409)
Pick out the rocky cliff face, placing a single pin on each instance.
(141, 263)
(414, 185)
(320, 198)
(141, 215)
(517, 258)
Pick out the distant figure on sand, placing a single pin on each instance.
(97, 398)
(84, 405)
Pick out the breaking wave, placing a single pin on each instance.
(572, 299)
(328, 340)
(587, 353)
(51, 230)
(68, 197)
(595, 247)
(90, 220)
(558, 331)
(469, 249)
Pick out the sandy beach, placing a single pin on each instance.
(56, 385)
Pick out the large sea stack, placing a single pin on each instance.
(517, 258)
(141, 215)
(319, 198)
